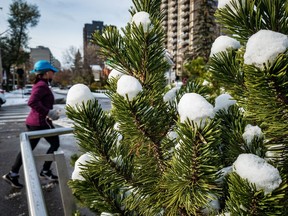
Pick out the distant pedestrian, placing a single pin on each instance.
(40, 118)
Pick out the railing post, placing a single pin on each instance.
(36, 203)
(66, 195)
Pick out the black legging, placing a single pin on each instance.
(52, 140)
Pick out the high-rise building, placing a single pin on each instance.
(89, 29)
(91, 56)
(180, 18)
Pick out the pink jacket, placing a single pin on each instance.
(40, 101)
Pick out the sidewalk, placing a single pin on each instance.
(12, 201)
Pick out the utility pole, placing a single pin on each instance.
(1, 70)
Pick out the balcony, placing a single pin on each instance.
(184, 21)
(174, 16)
(173, 3)
(185, 15)
(171, 40)
(185, 43)
(174, 35)
(164, 7)
(185, 2)
(173, 9)
(173, 23)
(185, 36)
(185, 29)
(185, 7)
(174, 28)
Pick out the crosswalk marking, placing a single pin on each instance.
(14, 113)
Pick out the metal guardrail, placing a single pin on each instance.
(36, 202)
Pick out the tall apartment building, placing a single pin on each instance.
(90, 50)
(180, 17)
(89, 29)
(43, 53)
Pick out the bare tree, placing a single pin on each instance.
(69, 56)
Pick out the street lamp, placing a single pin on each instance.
(1, 69)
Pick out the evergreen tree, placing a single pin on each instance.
(160, 152)
(81, 71)
(77, 64)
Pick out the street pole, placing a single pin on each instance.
(1, 69)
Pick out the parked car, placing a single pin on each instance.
(28, 89)
(2, 97)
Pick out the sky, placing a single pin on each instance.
(61, 23)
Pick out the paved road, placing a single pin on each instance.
(14, 201)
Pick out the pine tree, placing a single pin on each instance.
(162, 151)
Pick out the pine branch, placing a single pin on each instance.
(232, 125)
(240, 19)
(246, 200)
(150, 6)
(190, 178)
(195, 86)
(227, 69)
(244, 18)
(139, 119)
(264, 92)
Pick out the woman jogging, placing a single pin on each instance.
(40, 118)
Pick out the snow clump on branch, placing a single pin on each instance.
(170, 96)
(222, 43)
(77, 94)
(106, 214)
(196, 108)
(223, 3)
(142, 18)
(128, 85)
(265, 46)
(250, 132)
(212, 206)
(80, 162)
(223, 101)
(223, 173)
(257, 171)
